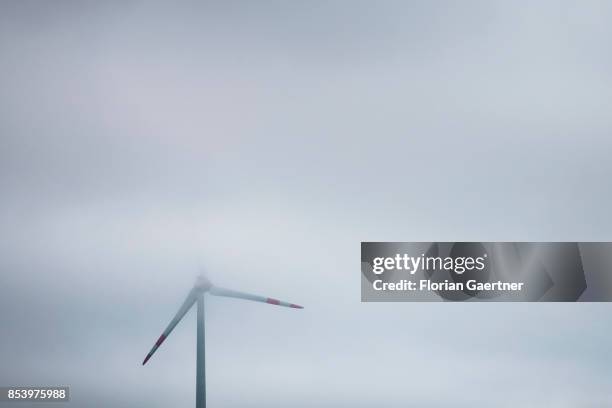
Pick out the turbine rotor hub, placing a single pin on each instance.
(202, 283)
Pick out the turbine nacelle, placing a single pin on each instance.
(202, 283)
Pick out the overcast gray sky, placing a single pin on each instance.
(141, 142)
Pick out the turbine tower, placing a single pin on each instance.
(196, 294)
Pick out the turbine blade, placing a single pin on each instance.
(189, 301)
(217, 291)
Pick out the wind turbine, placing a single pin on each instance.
(196, 294)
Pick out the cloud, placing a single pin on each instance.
(141, 143)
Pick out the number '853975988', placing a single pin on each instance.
(34, 393)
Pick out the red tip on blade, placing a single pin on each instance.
(160, 340)
(273, 301)
(157, 344)
(296, 306)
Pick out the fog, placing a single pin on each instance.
(142, 143)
